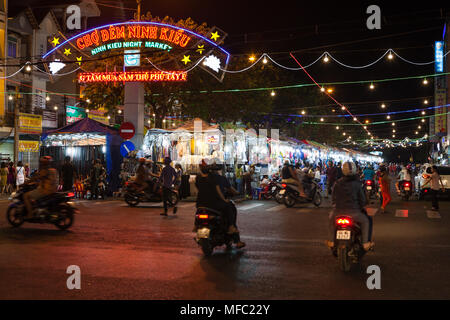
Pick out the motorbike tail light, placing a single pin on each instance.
(71, 194)
(343, 222)
(426, 190)
(283, 185)
(369, 182)
(203, 216)
(407, 184)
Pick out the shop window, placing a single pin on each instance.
(12, 48)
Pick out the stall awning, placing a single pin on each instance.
(85, 125)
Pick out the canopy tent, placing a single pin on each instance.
(87, 133)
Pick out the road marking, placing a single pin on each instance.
(433, 214)
(372, 211)
(277, 208)
(401, 213)
(250, 206)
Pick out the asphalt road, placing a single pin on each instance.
(134, 253)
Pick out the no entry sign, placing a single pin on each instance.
(127, 130)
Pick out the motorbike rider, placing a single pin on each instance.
(368, 173)
(403, 176)
(289, 176)
(210, 196)
(98, 173)
(47, 177)
(226, 189)
(151, 175)
(141, 175)
(348, 197)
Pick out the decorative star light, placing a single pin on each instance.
(79, 60)
(213, 62)
(55, 41)
(186, 59)
(200, 49)
(67, 52)
(56, 66)
(215, 35)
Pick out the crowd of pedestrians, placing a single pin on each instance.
(12, 176)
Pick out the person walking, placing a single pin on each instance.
(238, 174)
(11, 178)
(3, 177)
(434, 180)
(331, 177)
(20, 175)
(385, 185)
(67, 173)
(167, 178)
(247, 177)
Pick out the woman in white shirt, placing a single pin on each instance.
(20, 174)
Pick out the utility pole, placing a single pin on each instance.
(16, 131)
(138, 10)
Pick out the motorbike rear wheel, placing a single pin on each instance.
(289, 201)
(206, 247)
(279, 197)
(344, 259)
(66, 217)
(15, 217)
(131, 200)
(173, 198)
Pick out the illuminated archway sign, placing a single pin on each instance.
(145, 37)
(137, 42)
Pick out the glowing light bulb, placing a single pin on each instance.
(393, 123)
(88, 100)
(383, 106)
(354, 119)
(325, 59)
(303, 112)
(417, 132)
(337, 127)
(419, 127)
(343, 108)
(425, 81)
(322, 89)
(390, 56)
(371, 86)
(47, 98)
(264, 60)
(252, 58)
(423, 120)
(28, 68)
(330, 90)
(423, 112)
(425, 101)
(10, 98)
(343, 133)
(119, 111)
(388, 117)
(272, 93)
(55, 107)
(322, 119)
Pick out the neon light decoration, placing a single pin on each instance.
(138, 76)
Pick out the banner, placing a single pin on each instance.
(74, 114)
(49, 119)
(30, 123)
(28, 146)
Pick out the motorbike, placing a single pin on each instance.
(270, 191)
(405, 189)
(348, 246)
(133, 196)
(371, 189)
(292, 195)
(57, 209)
(211, 230)
(101, 189)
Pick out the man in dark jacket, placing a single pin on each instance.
(67, 173)
(348, 198)
(331, 177)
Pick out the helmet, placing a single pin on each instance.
(142, 160)
(349, 169)
(45, 160)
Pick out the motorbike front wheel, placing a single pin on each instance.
(344, 259)
(15, 216)
(317, 199)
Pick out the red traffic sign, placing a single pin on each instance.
(127, 130)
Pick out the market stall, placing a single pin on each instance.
(84, 141)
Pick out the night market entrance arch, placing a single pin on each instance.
(135, 40)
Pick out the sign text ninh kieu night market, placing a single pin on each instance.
(132, 36)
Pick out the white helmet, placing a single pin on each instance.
(349, 169)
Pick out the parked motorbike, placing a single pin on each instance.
(292, 195)
(211, 230)
(101, 189)
(57, 209)
(133, 196)
(270, 191)
(405, 189)
(348, 246)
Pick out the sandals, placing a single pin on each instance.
(368, 246)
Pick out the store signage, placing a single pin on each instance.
(439, 56)
(30, 123)
(49, 119)
(74, 114)
(138, 76)
(28, 146)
